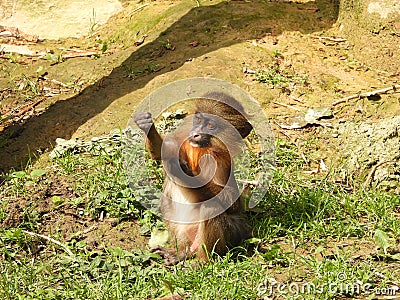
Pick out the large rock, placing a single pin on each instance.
(373, 27)
(371, 150)
(54, 19)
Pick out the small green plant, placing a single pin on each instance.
(93, 22)
(148, 68)
(14, 58)
(382, 240)
(104, 47)
(167, 45)
(53, 58)
(26, 86)
(23, 179)
(278, 74)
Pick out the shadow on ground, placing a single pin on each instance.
(213, 27)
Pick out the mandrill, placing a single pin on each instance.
(201, 201)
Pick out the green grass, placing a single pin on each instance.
(314, 238)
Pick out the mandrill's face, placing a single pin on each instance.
(205, 126)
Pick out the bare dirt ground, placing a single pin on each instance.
(78, 93)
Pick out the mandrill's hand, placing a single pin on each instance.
(173, 163)
(177, 168)
(144, 121)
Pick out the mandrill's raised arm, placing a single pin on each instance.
(153, 139)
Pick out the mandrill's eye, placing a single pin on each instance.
(197, 120)
(210, 126)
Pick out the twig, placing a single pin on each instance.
(47, 238)
(13, 32)
(288, 106)
(171, 297)
(87, 230)
(332, 39)
(80, 235)
(284, 133)
(55, 81)
(79, 53)
(296, 99)
(373, 170)
(250, 182)
(367, 94)
(137, 9)
(26, 109)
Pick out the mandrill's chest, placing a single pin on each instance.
(192, 156)
(198, 158)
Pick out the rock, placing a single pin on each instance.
(106, 144)
(369, 145)
(54, 19)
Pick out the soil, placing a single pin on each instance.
(144, 47)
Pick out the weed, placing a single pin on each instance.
(280, 74)
(148, 68)
(14, 58)
(93, 22)
(53, 58)
(167, 45)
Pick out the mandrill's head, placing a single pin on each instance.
(223, 119)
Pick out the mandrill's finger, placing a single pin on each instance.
(142, 115)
